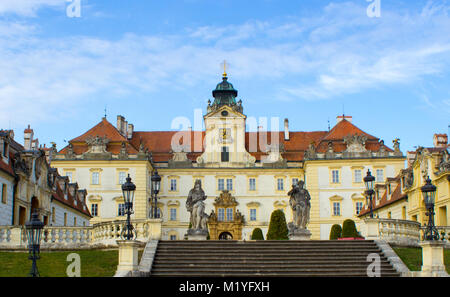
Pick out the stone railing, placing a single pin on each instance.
(103, 234)
(444, 233)
(397, 232)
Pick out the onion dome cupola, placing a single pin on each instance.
(225, 94)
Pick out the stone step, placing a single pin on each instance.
(271, 254)
(275, 261)
(287, 266)
(272, 274)
(267, 272)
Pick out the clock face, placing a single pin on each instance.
(224, 113)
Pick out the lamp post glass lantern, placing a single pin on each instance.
(429, 196)
(156, 184)
(369, 181)
(33, 231)
(128, 189)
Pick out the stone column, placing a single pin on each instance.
(128, 258)
(433, 258)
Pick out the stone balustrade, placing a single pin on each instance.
(103, 234)
(393, 231)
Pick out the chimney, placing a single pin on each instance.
(124, 128)
(120, 120)
(343, 117)
(28, 138)
(130, 131)
(440, 140)
(286, 129)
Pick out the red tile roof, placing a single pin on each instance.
(159, 143)
(396, 196)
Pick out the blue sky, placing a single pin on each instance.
(154, 61)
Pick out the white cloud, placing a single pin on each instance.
(27, 8)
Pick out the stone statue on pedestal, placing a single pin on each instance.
(196, 206)
(301, 206)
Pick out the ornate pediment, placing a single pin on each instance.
(225, 200)
(97, 145)
(355, 143)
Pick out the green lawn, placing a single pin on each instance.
(94, 263)
(412, 257)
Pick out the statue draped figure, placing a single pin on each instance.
(196, 206)
(301, 206)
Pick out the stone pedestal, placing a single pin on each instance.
(155, 226)
(433, 258)
(196, 234)
(372, 229)
(128, 257)
(299, 234)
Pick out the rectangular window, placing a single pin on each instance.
(65, 219)
(380, 175)
(336, 208)
(280, 184)
(252, 184)
(74, 221)
(53, 215)
(94, 210)
(121, 209)
(359, 206)
(229, 184)
(225, 155)
(4, 194)
(221, 185)
(294, 181)
(173, 185)
(122, 177)
(358, 176)
(221, 214)
(95, 178)
(69, 175)
(253, 214)
(335, 176)
(173, 214)
(229, 214)
(173, 237)
(5, 149)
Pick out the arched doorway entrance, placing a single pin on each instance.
(225, 236)
(34, 206)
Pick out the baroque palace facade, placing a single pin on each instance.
(245, 175)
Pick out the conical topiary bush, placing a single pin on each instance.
(257, 234)
(336, 232)
(349, 229)
(277, 227)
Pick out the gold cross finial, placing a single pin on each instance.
(225, 64)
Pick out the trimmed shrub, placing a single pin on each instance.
(257, 234)
(277, 227)
(336, 232)
(349, 229)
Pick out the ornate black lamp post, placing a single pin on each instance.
(128, 189)
(429, 195)
(156, 183)
(369, 180)
(34, 231)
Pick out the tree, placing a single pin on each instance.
(277, 227)
(257, 234)
(349, 229)
(336, 232)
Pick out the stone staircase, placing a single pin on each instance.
(267, 258)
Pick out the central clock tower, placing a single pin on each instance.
(225, 130)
